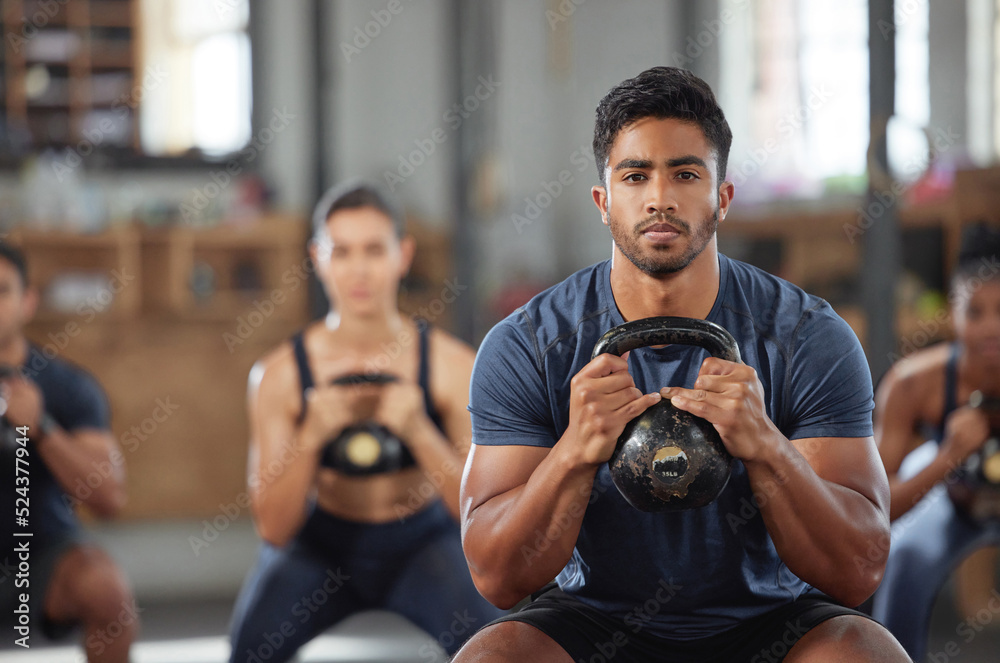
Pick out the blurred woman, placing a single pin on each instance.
(368, 523)
(940, 507)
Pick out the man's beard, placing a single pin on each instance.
(661, 261)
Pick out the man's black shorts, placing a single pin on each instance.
(45, 555)
(591, 636)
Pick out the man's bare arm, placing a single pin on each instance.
(73, 456)
(825, 504)
(515, 496)
(827, 499)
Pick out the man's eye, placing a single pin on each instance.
(688, 175)
(634, 177)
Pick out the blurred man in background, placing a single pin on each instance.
(56, 451)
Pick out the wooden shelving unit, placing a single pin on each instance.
(219, 273)
(160, 341)
(68, 73)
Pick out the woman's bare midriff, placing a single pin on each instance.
(375, 499)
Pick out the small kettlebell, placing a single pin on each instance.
(365, 448)
(668, 459)
(975, 486)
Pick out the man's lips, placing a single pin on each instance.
(661, 228)
(661, 232)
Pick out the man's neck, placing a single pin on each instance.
(689, 293)
(14, 350)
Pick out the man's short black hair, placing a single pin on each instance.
(14, 256)
(979, 253)
(353, 194)
(661, 92)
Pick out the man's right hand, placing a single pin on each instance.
(603, 398)
(965, 431)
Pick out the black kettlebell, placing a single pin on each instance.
(365, 448)
(975, 488)
(668, 459)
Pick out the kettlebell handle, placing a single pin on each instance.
(358, 379)
(665, 330)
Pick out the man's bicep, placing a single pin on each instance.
(851, 462)
(493, 470)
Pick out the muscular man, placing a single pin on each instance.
(387, 540)
(927, 396)
(765, 571)
(69, 448)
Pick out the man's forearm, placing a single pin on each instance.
(521, 539)
(86, 470)
(819, 528)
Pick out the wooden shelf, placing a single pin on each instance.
(219, 273)
(111, 256)
(78, 49)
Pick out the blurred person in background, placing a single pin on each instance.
(336, 542)
(56, 575)
(938, 394)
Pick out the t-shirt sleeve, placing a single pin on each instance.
(81, 403)
(829, 384)
(507, 398)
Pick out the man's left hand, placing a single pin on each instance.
(729, 396)
(24, 401)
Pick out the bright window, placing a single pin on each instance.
(799, 68)
(196, 77)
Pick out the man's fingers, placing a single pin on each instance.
(636, 407)
(706, 409)
(603, 365)
(716, 366)
(687, 394)
(621, 398)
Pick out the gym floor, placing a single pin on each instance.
(185, 603)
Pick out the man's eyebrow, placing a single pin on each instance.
(686, 160)
(633, 163)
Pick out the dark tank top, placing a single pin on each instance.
(423, 378)
(950, 392)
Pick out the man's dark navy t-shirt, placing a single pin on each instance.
(693, 573)
(75, 400)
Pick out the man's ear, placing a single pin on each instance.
(726, 192)
(600, 194)
(29, 304)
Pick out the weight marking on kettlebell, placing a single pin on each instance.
(363, 449)
(991, 468)
(670, 464)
